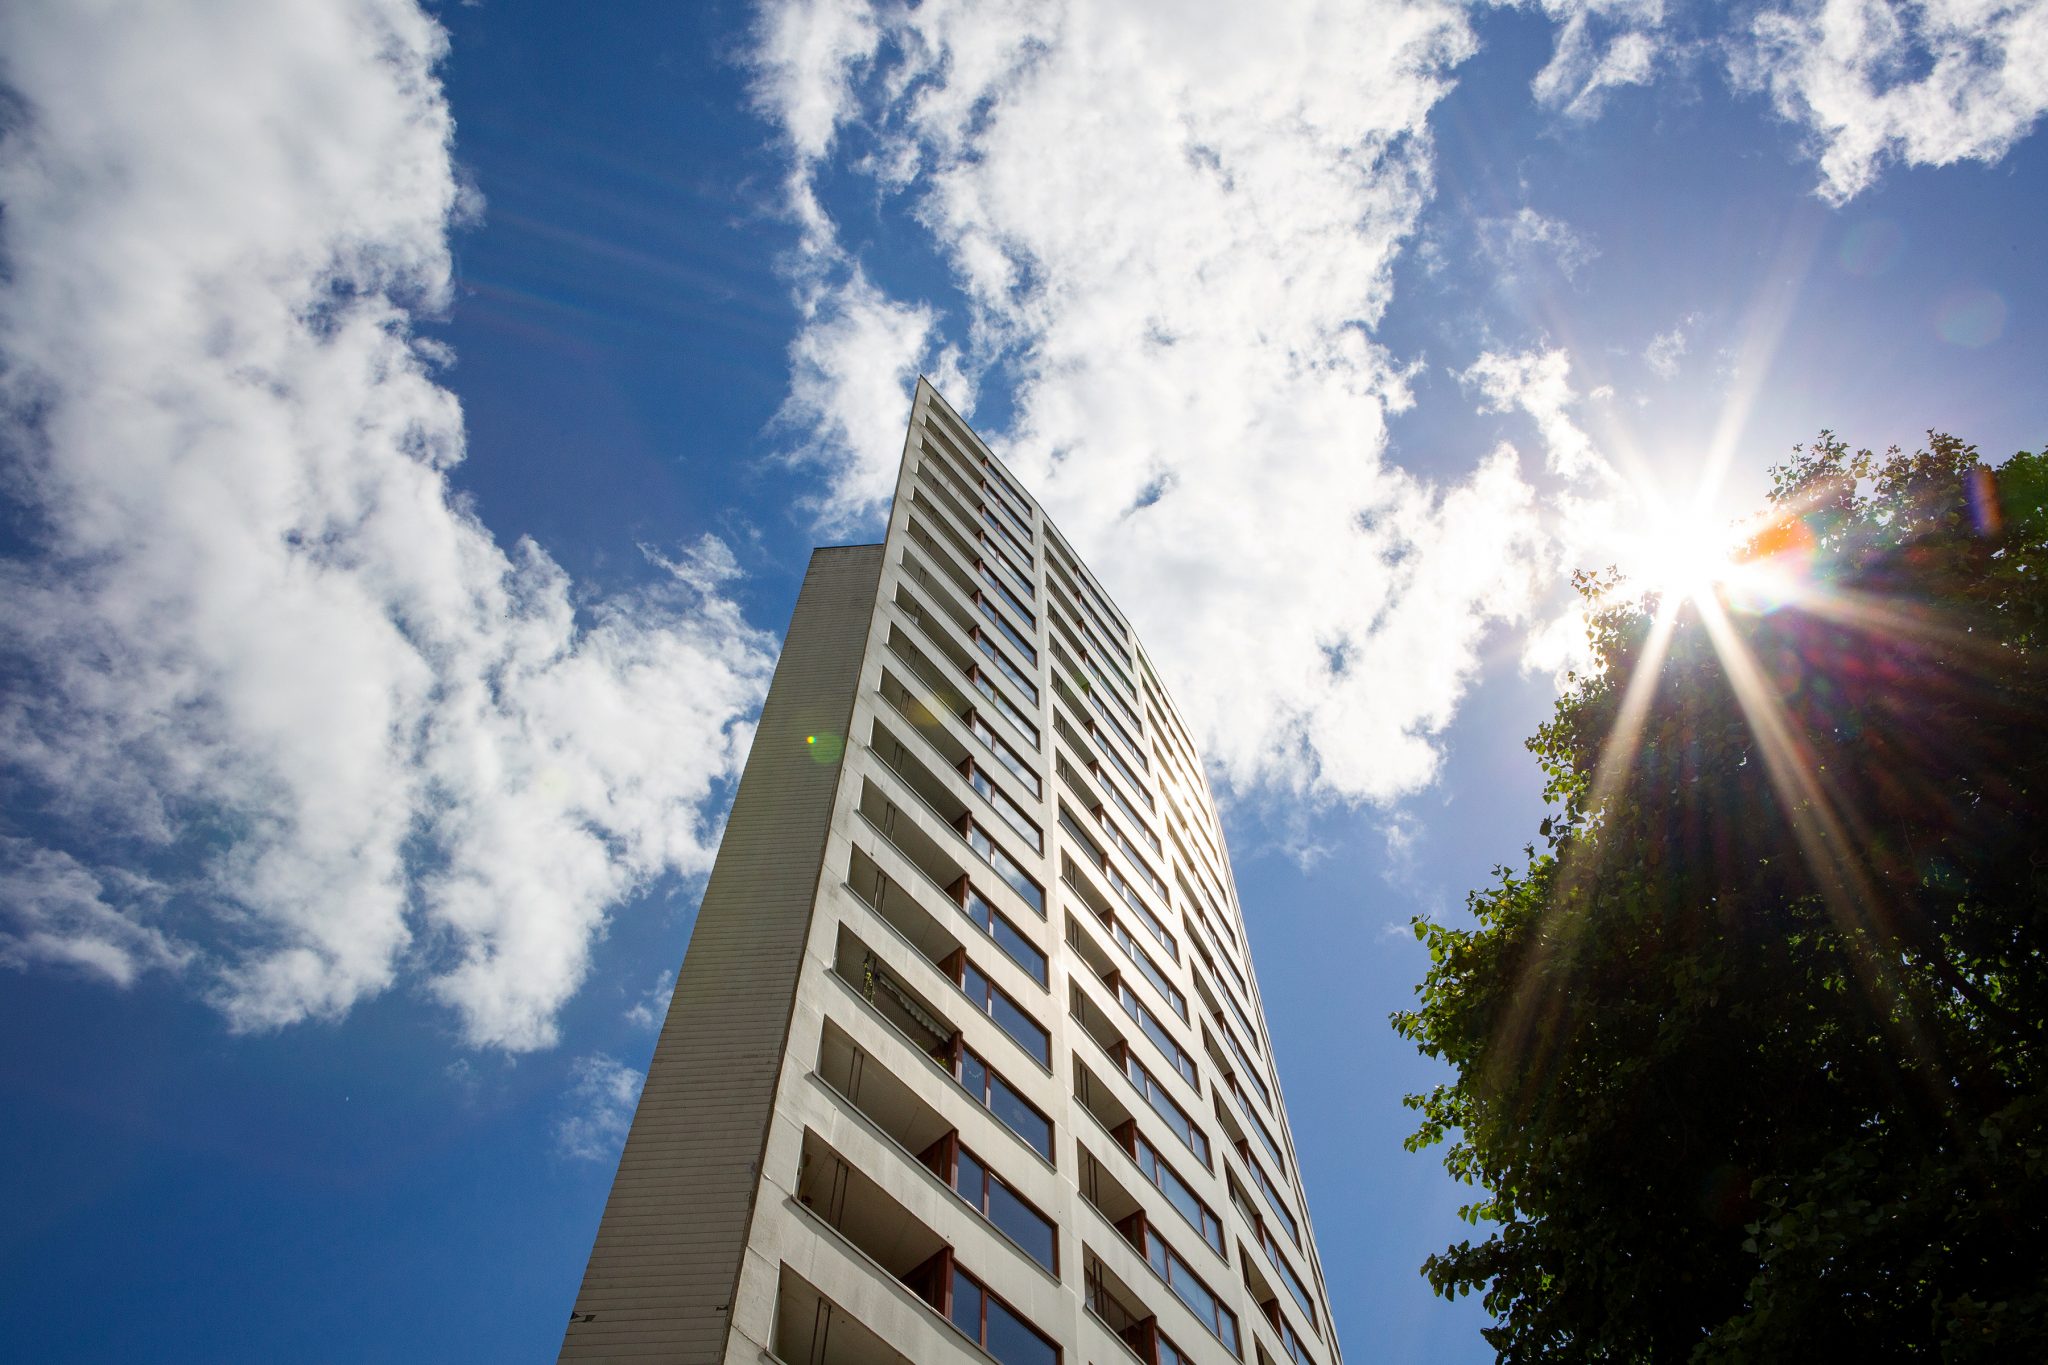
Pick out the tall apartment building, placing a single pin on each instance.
(966, 1058)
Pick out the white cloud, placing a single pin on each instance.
(1924, 82)
(602, 1094)
(1539, 384)
(1602, 45)
(1666, 349)
(1172, 230)
(1527, 237)
(285, 715)
(856, 355)
(650, 1009)
(58, 914)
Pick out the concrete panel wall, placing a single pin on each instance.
(661, 1277)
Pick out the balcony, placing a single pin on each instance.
(851, 1203)
(885, 1099)
(1118, 1308)
(810, 1329)
(934, 854)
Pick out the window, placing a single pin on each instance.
(1004, 707)
(1150, 970)
(1156, 1031)
(989, 1195)
(1272, 1197)
(1016, 581)
(1006, 868)
(994, 1326)
(1130, 851)
(1017, 499)
(1012, 813)
(1143, 912)
(1137, 821)
(1007, 534)
(1124, 890)
(1004, 754)
(1006, 668)
(1002, 588)
(1199, 1298)
(1287, 1275)
(1123, 736)
(1251, 1072)
(1177, 1191)
(988, 543)
(1007, 936)
(1289, 1342)
(1137, 783)
(1017, 1114)
(1010, 1016)
(1265, 1135)
(1011, 633)
(1018, 523)
(1163, 1105)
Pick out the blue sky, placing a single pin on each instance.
(416, 423)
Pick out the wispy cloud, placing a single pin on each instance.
(1601, 46)
(1923, 82)
(1527, 239)
(1172, 241)
(283, 715)
(1666, 349)
(650, 1009)
(600, 1101)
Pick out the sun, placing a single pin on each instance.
(1678, 553)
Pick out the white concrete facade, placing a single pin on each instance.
(1021, 866)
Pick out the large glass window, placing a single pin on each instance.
(1002, 590)
(1004, 754)
(1291, 1343)
(1157, 1032)
(1016, 637)
(1009, 536)
(1017, 581)
(1124, 890)
(1258, 1125)
(1137, 783)
(1177, 1191)
(988, 543)
(1251, 1070)
(1010, 1016)
(1018, 948)
(1017, 500)
(991, 1196)
(1005, 707)
(1287, 1275)
(1144, 912)
(996, 1327)
(1012, 813)
(1199, 1298)
(1130, 851)
(1006, 868)
(1018, 1114)
(1006, 668)
(1150, 969)
(1123, 737)
(1273, 1201)
(1131, 813)
(1175, 1117)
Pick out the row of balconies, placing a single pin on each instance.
(923, 1023)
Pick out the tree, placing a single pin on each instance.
(1750, 1056)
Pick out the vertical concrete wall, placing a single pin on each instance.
(661, 1277)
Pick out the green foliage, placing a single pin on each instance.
(1749, 1057)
